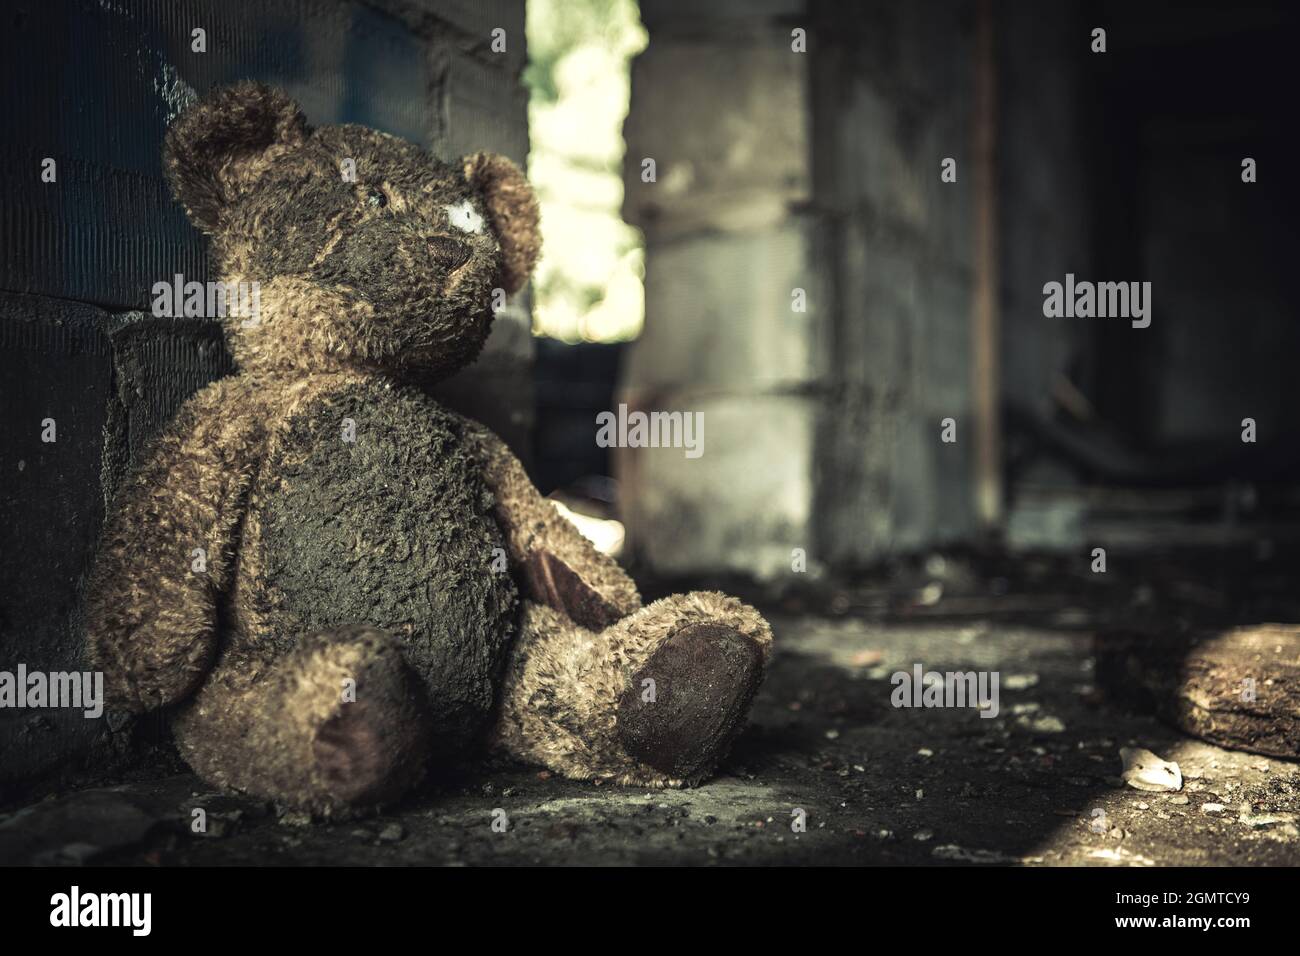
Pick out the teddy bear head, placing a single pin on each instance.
(366, 251)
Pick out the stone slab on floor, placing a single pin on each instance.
(879, 785)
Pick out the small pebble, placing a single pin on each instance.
(1020, 681)
(1046, 724)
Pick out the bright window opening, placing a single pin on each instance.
(589, 284)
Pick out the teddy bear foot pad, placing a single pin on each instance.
(704, 678)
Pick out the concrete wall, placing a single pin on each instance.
(892, 99)
(818, 171)
(1043, 179)
(93, 85)
(821, 171)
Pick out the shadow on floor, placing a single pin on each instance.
(876, 784)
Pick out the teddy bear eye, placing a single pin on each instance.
(376, 197)
(465, 217)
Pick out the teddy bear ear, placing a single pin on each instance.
(512, 207)
(219, 146)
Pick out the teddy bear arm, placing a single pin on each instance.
(560, 568)
(167, 553)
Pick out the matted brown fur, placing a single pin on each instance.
(563, 682)
(324, 614)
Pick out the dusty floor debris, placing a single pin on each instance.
(824, 739)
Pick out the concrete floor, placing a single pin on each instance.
(878, 785)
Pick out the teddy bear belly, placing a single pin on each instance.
(377, 515)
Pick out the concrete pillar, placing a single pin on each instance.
(720, 104)
(820, 171)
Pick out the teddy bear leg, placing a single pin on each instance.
(335, 724)
(654, 699)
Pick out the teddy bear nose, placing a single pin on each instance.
(448, 252)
